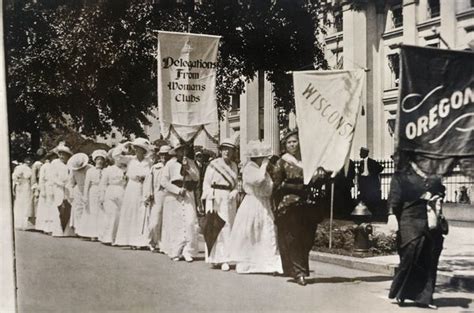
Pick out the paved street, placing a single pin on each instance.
(72, 275)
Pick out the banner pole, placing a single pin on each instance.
(331, 214)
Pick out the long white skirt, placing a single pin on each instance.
(226, 210)
(93, 219)
(156, 220)
(112, 204)
(131, 230)
(78, 212)
(41, 213)
(23, 206)
(180, 226)
(253, 243)
(50, 209)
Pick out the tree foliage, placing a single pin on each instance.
(91, 65)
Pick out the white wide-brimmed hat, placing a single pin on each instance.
(63, 148)
(228, 143)
(258, 149)
(99, 153)
(165, 149)
(118, 154)
(142, 143)
(78, 161)
(178, 146)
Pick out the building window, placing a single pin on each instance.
(235, 102)
(472, 3)
(433, 8)
(394, 65)
(113, 135)
(397, 16)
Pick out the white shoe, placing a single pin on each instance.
(176, 259)
(225, 267)
(188, 259)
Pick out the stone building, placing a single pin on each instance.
(366, 34)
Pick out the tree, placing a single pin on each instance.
(91, 65)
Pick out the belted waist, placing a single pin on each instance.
(136, 179)
(189, 185)
(221, 187)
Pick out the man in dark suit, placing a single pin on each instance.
(369, 180)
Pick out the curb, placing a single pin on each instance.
(354, 263)
(456, 281)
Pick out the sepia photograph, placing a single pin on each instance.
(236, 156)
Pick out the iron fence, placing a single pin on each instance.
(454, 182)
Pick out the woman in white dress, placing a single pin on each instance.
(253, 243)
(131, 229)
(45, 201)
(94, 217)
(61, 191)
(153, 194)
(23, 182)
(112, 188)
(219, 191)
(78, 164)
(180, 177)
(35, 168)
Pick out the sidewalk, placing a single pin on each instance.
(456, 266)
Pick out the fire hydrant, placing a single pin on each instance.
(362, 215)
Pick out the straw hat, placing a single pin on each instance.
(78, 161)
(178, 146)
(164, 149)
(99, 153)
(142, 143)
(63, 148)
(227, 143)
(258, 149)
(110, 154)
(290, 133)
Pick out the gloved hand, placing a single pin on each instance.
(392, 223)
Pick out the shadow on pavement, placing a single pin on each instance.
(457, 284)
(452, 302)
(323, 280)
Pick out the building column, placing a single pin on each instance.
(249, 115)
(410, 31)
(224, 128)
(271, 128)
(448, 23)
(375, 79)
(355, 57)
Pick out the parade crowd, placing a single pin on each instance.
(260, 218)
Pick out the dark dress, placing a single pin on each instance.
(419, 247)
(343, 202)
(295, 217)
(369, 186)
